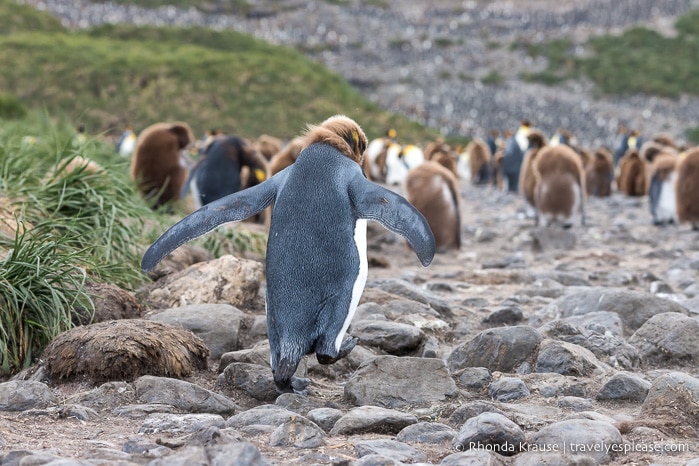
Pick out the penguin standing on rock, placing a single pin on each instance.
(316, 260)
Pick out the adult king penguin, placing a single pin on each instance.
(316, 259)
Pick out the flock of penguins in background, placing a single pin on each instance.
(555, 175)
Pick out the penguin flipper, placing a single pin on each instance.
(394, 212)
(232, 208)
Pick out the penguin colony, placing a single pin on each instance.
(333, 175)
(164, 174)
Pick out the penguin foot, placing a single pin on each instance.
(284, 376)
(345, 348)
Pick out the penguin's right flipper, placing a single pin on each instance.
(232, 208)
(394, 212)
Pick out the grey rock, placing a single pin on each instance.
(548, 239)
(253, 379)
(258, 354)
(473, 458)
(182, 395)
(475, 302)
(340, 369)
(180, 423)
(238, 453)
(108, 456)
(108, 396)
(624, 386)
(508, 389)
(372, 419)
(295, 402)
(475, 377)
(374, 459)
(392, 337)
(142, 446)
(575, 403)
(392, 381)
(550, 384)
(393, 449)
(226, 280)
(660, 287)
(140, 411)
(608, 321)
(217, 325)
(426, 432)
(549, 458)
(471, 409)
(634, 307)
(401, 307)
(298, 432)
(580, 437)
(190, 455)
(564, 278)
(675, 395)
(611, 349)
(490, 430)
(268, 415)
(505, 315)
(498, 349)
(20, 395)
(212, 435)
(325, 418)
(430, 348)
(412, 292)
(668, 336)
(566, 359)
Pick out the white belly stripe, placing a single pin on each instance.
(358, 288)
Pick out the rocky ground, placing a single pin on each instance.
(546, 341)
(427, 60)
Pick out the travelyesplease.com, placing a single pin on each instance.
(613, 448)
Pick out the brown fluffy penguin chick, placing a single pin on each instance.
(687, 189)
(434, 190)
(665, 139)
(447, 160)
(527, 181)
(286, 156)
(268, 146)
(480, 161)
(155, 167)
(651, 149)
(560, 186)
(342, 133)
(599, 174)
(632, 179)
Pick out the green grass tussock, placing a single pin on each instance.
(64, 223)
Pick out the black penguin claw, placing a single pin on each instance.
(347, 346)
(299, 384)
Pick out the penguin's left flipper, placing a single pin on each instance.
(232, 208)
(374, 202)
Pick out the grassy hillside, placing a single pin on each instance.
(112, 75)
